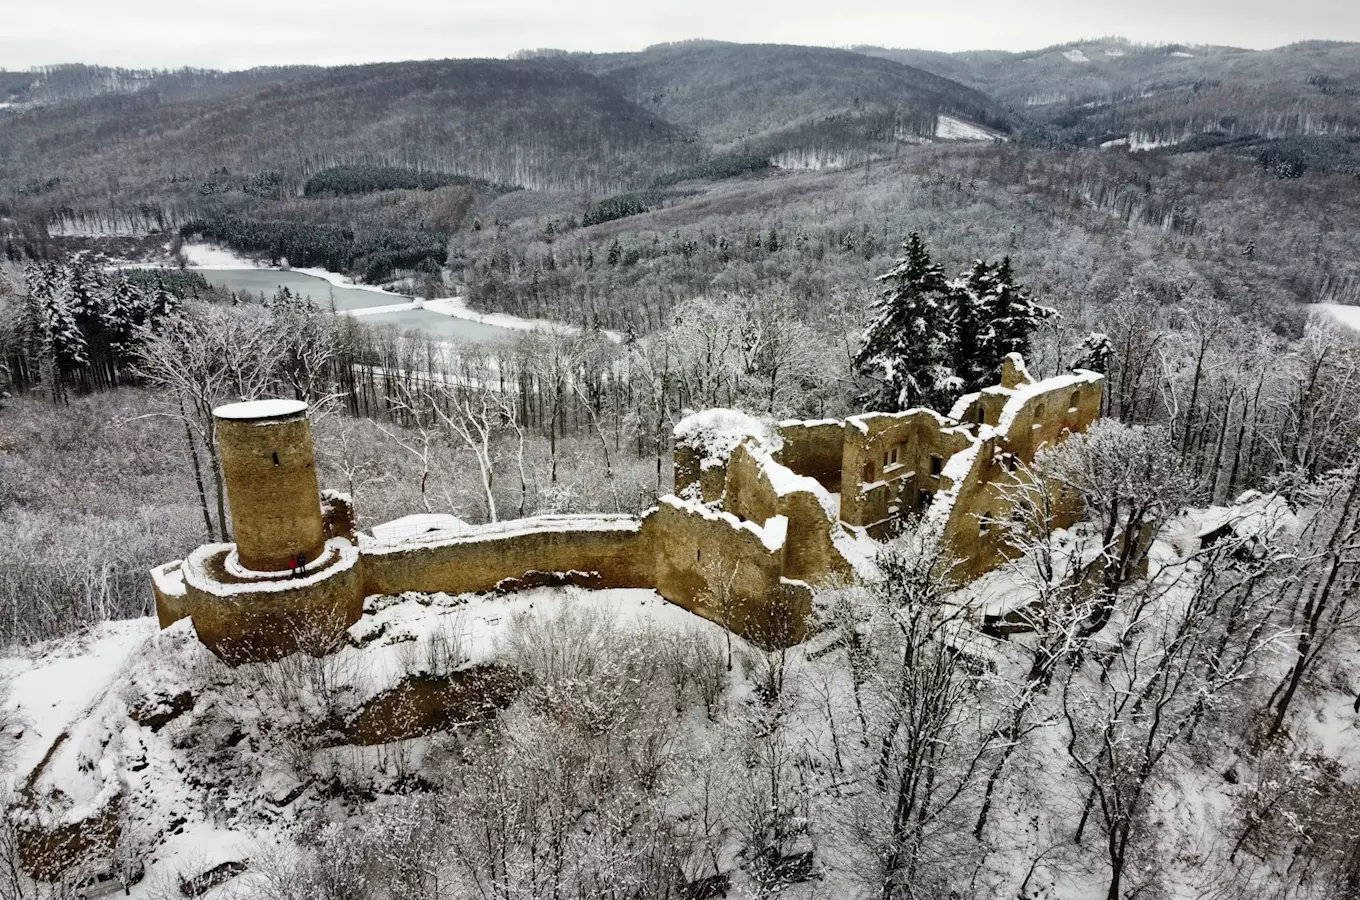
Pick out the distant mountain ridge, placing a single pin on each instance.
(733, 92)
(596, 124)
(157, 148)
(1112, 89)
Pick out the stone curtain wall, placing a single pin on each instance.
(810, 554)
(614, 548)
(728, 571)
(1038, 415)
(924, 441)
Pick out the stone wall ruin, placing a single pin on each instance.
(762, 514)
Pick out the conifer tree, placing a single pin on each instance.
(1095, 353)
(1015, 316)
(907, 348)
(972, 296)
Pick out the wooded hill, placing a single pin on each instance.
(1301, 100)
(590, 124)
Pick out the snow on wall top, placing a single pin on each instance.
(961, 405)
(715, 433)
(261, 409)
(785, 481)
(169, 578)
(862, 421)
(375, 546)
(772, 534)
(956, 471)
(809, 423)
(1027, 392)
(419, 524)
(340, 551)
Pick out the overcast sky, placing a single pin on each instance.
(243, 33)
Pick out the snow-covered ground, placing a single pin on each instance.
(1076, 56)
(949, 128)
(94, 697)
(211, 783)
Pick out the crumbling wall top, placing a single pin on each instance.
(715, 433)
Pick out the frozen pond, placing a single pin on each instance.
(444, 327)
(324, 293)
(268, 281)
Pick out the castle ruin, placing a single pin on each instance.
(762, 515)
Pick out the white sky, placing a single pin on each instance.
(243, 33)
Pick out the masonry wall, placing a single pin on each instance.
(167, 588)
(984, 407)
(924, 441)
(618, 551)
(696, 548)
(1046, 417)
(813, 449)
(272, 620)
(979, 500)
(810, 554)
(1038, 419)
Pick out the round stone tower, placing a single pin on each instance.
(270, 470)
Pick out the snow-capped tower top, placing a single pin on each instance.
(270, 472)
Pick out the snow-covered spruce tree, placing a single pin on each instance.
(973, 295)
(1013, 314)
(1095, 353)
(907, 349)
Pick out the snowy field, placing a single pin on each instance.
(949, 128)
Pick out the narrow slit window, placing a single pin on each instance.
(936, 466)
(276, 458)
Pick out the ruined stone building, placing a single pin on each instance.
(762, 514)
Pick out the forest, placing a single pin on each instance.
(1184, 728)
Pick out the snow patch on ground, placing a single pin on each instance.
(948, 128)
(1139, 141)
(51, 685)
(1076, 56)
